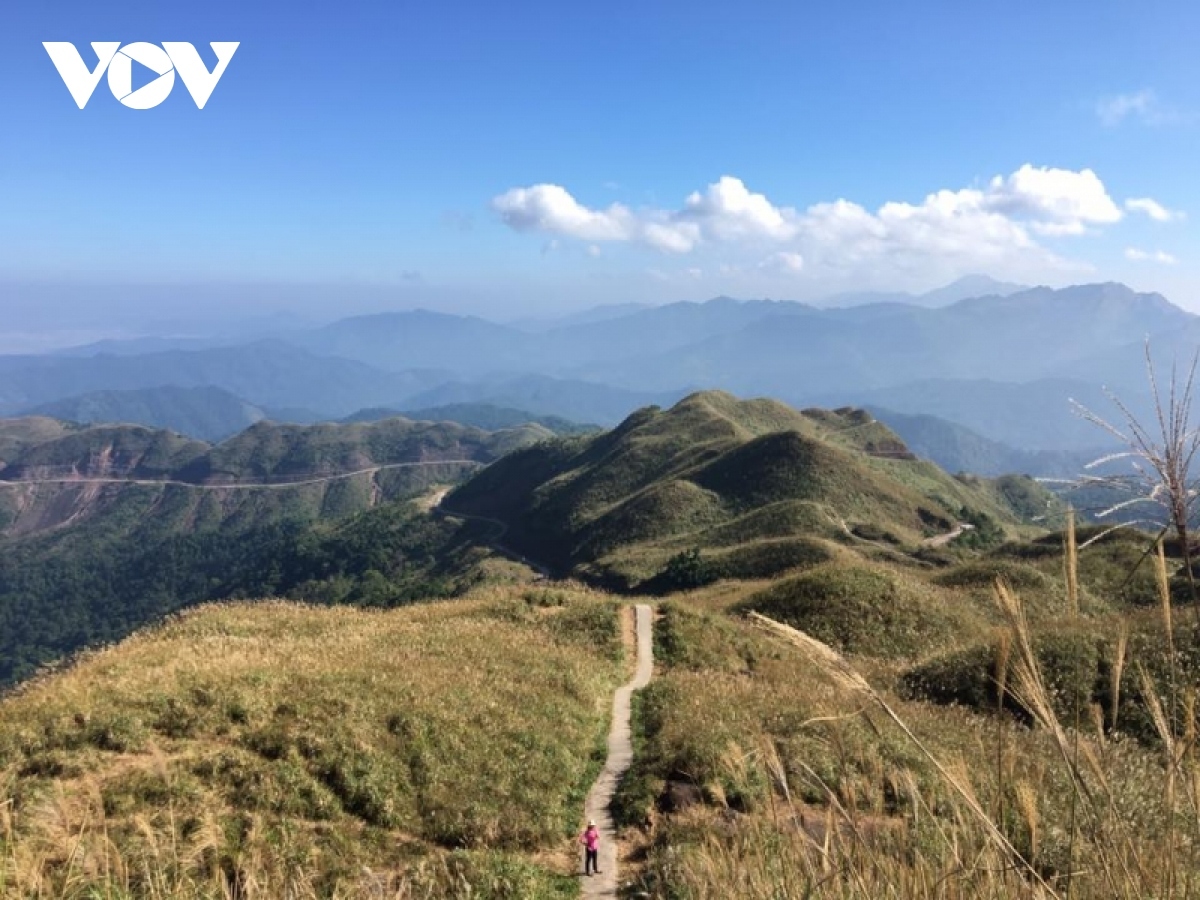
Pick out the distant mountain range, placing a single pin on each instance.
(956, 448)
(207, 413)
(962, 289)
(479, 415)
(266, 373)
(1001, 363)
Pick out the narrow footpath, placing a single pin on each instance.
(501, 529)
(620, 757)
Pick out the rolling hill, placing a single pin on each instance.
(18, 434)
(181, 478)
(345, 747)
(105, 529)
(756, 484)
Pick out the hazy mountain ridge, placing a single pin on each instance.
(1026, 336)
(586, 401)
(1035, 416)
(961, 289)
(266, 373)
(479, 415)
(956, 448)
(208, 413)
(1002, 366)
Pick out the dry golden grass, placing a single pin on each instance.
(276, 750)
(817, 782)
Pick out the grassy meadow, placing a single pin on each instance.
(278, 750)
(1035, 741)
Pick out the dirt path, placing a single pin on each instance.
(942, 540)
(241, 485)
(494, 542)
(620, 756)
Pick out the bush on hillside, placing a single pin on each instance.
(766, 559)
(1070, 661)
(858, 610)
(1077, 662)
(983, 574)
(684, 571)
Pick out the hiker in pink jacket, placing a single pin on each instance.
(591, 845)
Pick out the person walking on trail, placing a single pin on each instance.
(591, 846)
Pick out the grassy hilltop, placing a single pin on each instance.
(759, 485)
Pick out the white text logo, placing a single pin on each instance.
(164, 61)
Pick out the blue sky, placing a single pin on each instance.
(509, 158)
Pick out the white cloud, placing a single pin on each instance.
(1057, 201)
(551, 208)
(784, 261)
(997, 226)
(1156, 256)
(672, 237)
(1143, 106)
(1114, 110)
(728, 211)
(593, 251)
(548, 207)
(1153, 209)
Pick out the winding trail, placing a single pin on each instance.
(501, 530)
(241, 485)
(620, 757)
(942, 540)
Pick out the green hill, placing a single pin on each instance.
(269, 450)
(134, 524)
(33, 449)
(717, 472)
(101, 451)
(18, 434)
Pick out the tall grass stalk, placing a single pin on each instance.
(1107, 852)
